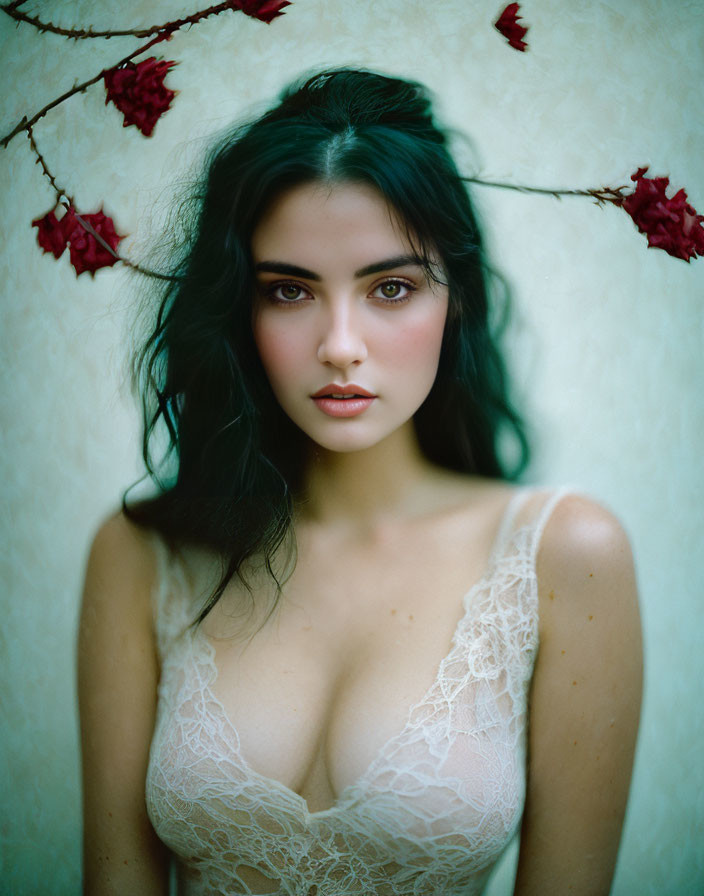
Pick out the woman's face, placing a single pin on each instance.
(343, 307)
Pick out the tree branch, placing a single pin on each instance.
(69, 203)
(10, 7)
(25, 123)
(40, 161)
(83, 33)
(604, 194)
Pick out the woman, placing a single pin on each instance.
(277, 643)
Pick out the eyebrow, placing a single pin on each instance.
(293, 270)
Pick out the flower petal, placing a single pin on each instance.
(50, 235)
(671, 224)
(139, 92)
(507, 24)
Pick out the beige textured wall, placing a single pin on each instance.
(608, 350)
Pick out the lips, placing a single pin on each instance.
(333, 390)
(343, 401)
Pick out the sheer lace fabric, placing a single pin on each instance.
(433, 811)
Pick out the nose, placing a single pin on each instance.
(342, 341)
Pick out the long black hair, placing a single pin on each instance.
(237, 460)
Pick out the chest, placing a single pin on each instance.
(356, 640)
(374, 726)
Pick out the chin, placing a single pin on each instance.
(344, 443)
(341, 436)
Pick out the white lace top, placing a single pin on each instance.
(435, 808)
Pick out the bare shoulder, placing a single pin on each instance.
(116, 606)
(120, 544)
(581, 531)
(121, 565)
(116, 602)
(590, 631)
(584, 702)
(584, 563)
(118, 673)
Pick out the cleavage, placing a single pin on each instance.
(331, 676)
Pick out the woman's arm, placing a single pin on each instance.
(117, 682)
(584, 705)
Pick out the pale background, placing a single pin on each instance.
(607, 345)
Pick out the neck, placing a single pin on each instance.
(365, 488)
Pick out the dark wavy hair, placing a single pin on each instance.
(238, 458)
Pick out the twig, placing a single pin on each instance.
(130, 264)
(25, 123)
(40, 161)
(157, 275)
(605, 194)
(83, 33)
(67, 201)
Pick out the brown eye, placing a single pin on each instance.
(290, 292)
(394, 291)
(390, 290)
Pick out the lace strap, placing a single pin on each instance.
(542, 517)
(531, 523)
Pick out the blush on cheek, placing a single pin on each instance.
(277, 350)
(416, 341)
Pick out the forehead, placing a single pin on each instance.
(315, 221)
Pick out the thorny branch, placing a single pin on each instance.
(162, 32)
(63, 198)
(83, 33)
(25, 123)
(10, 7)
(614, 195)
(40, 161)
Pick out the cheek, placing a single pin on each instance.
(279, 351)
(416, 345)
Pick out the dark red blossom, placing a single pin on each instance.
(50, 236)
(139, 93)
(670, 224)
(264, 10)
(507, 24)
(84, 241)
(85, 236)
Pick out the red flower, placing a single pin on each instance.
(670, 224)
(50, 236)
(264, 10)
(85, 242)
(87, 251)
(507, 24)
(139, 93)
